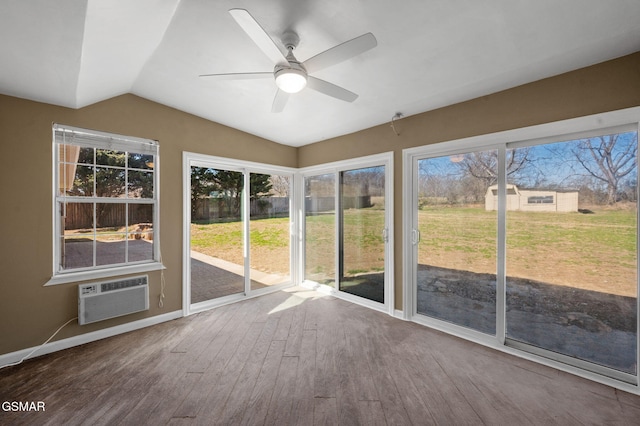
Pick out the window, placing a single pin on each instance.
(105, 204)
(540, 199)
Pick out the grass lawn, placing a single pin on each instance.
(591, 251)
(320, 247)
(269, 243)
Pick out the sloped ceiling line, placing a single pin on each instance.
(120, 37)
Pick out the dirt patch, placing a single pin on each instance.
(589, 325)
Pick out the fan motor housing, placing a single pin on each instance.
(290, 40)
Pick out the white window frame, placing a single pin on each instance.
(68, 135)
(621, 120)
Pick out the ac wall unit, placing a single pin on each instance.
(110, 299)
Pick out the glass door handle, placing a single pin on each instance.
(415, 236)
(385, 235)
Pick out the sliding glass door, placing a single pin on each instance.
(347, 229)
(530, 243)
(362, 236)
(216, 233)
(456, 240)
(320, 229)
(269, 225)
(239, 234)
(571, 256)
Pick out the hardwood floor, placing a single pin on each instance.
(296, 357)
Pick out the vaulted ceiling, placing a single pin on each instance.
(429, 54)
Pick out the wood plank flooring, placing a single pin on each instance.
(299, 358)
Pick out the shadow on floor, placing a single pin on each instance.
(369, 286)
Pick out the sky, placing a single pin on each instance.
(552, 165)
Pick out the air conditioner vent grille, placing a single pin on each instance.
(117, 285)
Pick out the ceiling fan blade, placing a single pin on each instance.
(330, 89)
(279, 101)
(239, 75)
(258, 35)
(341, 52)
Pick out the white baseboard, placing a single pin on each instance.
(397, 313)
(81, 339)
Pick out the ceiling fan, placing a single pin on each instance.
(291, 75)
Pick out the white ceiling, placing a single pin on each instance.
(430, 53)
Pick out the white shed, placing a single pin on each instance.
(533, 200)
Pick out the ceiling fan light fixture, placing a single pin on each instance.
(291, 75)
(291, 80)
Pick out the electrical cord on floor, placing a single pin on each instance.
(39, 347)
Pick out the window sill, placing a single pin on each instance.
(103, 273)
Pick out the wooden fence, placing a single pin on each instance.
(80, 215)
(222, 208)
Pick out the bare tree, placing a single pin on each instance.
(280, 185)
(609, 159)
(483, 165)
